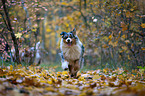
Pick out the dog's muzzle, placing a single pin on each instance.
(69, 41)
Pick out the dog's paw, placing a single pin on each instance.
(64, 65)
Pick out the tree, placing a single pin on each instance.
(15, 42)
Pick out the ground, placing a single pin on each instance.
(17, 81)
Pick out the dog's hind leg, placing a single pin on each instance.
(76, 67)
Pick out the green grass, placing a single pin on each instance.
(57, 66)
(52, 65)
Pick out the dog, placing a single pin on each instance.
(72, 51)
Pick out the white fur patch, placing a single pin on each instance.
(64, 65)
(68, 39)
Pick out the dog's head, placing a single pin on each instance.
(69, 38)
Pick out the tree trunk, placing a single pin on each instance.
(44, 29)
(15, 42)
(28, 26)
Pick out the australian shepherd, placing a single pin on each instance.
(72, 51)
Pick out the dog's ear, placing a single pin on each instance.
(74, 31)
(62, 33)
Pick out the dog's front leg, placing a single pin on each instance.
(74, 68)
(64, 62)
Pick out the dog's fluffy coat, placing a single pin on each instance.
(71, 53)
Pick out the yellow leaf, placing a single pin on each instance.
(34, 29)
(49, 82)
(64, 3)
(104, 38)
(104, 70)
(81, 78)
(110, 43)
(67, 25)
(21, 28)
(18, 35)
(128, 57)
(48, 30)
(110, 36)
(50, 89)
(128, 14)
(58, 74)
(131, 9)
(19, 66)
(42, 81)
(124, 26)
(96, 77)
(70, 18)
(29, 88)
(143, 48)
(143, 25)
(115, 44)
(123, 36)
(64, 72)
(11, 67)
(124, 48)
(105, 46)
(27, 36)
(83, 94)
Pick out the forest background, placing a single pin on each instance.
(112, 31)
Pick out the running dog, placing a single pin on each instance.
(72, 51)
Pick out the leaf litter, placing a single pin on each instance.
(29, 81)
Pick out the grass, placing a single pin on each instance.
(57, 66)
(50, 65)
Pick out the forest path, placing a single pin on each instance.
(38, 81)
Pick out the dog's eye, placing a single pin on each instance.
(65, 37)
(70, 36)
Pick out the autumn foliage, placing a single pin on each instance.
(112, 32)
(38, 81)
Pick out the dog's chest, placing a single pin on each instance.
(71, 53)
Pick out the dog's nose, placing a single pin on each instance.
(68, 40)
